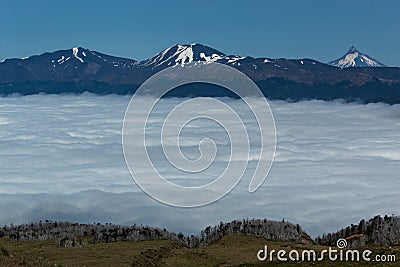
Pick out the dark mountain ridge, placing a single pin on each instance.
(78, 70)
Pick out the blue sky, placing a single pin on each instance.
(322, 30)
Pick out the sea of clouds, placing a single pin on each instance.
(61, 158)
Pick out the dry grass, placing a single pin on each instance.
(229, 251)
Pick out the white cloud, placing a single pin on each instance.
(61, 158)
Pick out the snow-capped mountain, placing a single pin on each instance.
(75, 57)
(70, 65)
(354, 58)
(182, 54)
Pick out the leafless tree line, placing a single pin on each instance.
(66, 231)
(376, 231)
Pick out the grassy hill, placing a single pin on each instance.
(232, 250)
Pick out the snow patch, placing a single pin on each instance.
(182, 52)
(186, 54)
(212, 58)
(369, 61)
(61, 60)
(234, 59)
(348, 61)
(301, 61)
(75, 51)
(267, 60)
(163, 53)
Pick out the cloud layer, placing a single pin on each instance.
(61, 158)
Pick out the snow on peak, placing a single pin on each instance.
(348, 60)
(183, 54)
(354, 58)
(75, 51)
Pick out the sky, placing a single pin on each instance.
(323, 30)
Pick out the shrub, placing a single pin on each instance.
(4, 251)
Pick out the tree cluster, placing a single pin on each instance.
(376, 231)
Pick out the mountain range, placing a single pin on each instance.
(79, 69)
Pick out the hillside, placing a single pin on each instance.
(228, 244)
